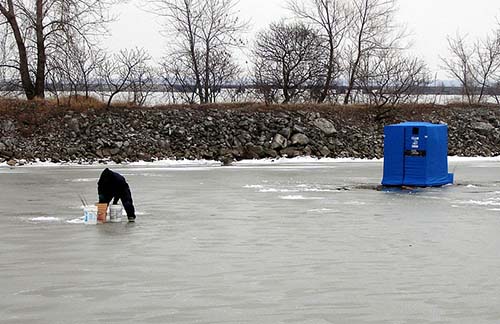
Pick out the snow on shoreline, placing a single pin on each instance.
(262, 162)
(161, 163)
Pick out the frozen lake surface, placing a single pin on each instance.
(286, 243)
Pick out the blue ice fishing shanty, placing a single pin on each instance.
(416, 154)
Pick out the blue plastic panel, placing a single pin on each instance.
(416, 154)
(393, 156)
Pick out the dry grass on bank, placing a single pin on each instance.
(79, 103)
(29, 115)
(13, 106)
(50, 107)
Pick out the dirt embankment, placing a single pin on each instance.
(31, 131)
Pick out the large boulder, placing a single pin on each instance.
(325, 126)
(253, 152)
(72, 150)
(483, 128)
(74, 125)
(291, 152)
(279, 141)
(286, 132)
(7, 126)
(270, 153)
(298, 129)
(299, 139)
(6, 154)
(324, 151)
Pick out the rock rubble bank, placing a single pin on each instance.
(224, 134)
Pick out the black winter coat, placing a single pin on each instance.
(113, 186)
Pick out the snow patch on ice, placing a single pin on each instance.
(83, 180)
(45, 219)
(297, 188)
(355, 203)
(299, 197)
(277, 190)
(253, 186)
(473, 159)
(177, 163)
(76, 221)
(321, 210)
(489, 202)
(81, 207)
(268, 190)
(301, 160)
(317, 190)
(293, 197)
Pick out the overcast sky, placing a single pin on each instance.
(429, 22)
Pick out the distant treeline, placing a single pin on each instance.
(12, 87)
(341, 51)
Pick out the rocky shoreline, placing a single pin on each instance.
(227, 134)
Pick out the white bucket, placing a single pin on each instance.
(115, 213)
(90, 215)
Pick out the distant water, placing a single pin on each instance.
(302, 242)
(232, 96)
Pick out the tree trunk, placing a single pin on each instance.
(286, 85)
(28, 87)
(110, 99)
(41, 55)
(354, 67)
(192, 53)
(352, 77)
(329, 73)
(207, 73)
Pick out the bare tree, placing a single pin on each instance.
(117, 73)
(38, 27)
(267, 86)
(86, 60)
(372, 29)
(142, 83)
(332, 18)
(8, 78)
(178, 78)
(459, 65)
(73, 68)
(486, 63)
(474, 66)
(388, 77)
(223, 70)
(205, 32)
(288, 57)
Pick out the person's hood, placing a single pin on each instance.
(106, 176)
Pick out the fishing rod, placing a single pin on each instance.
(82, 199)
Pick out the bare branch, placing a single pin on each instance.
(288, 57)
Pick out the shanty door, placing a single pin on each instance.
(415, 155)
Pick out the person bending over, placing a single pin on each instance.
(112, 186)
